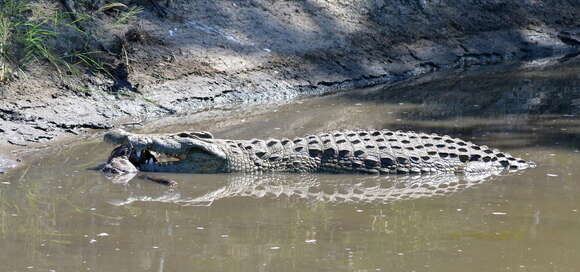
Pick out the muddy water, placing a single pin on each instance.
(55, 215)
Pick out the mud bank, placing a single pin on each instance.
(212, 54)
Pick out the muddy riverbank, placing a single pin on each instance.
(56, 214)
(212, 54)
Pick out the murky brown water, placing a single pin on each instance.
(55, 215)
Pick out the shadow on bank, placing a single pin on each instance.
(535, 107)
(358, 39)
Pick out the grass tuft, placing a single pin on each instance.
(129, 15)
(111, 6)
(31, 34)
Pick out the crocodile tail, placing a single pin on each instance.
(501, 161)
(509, 162)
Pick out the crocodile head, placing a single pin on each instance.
(186, 152)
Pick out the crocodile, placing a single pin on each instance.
(358, 151)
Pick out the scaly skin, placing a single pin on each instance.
(375, 152)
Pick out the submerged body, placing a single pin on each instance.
(375, 152)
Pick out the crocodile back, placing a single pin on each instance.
(376, 152)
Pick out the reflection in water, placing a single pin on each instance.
(317, 188)
(57, 216)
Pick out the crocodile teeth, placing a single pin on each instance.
(150, 161)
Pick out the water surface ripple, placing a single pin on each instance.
(55, 215)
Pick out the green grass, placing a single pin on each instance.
(86, 58)
(150, 101)
(122, 17)
(128, 16)
(7, 26)
(41, 33)
(138, 96)
(87, 90)
(112, 6)
(30, 34)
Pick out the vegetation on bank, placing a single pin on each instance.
(68, 38)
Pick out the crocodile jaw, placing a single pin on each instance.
(183, 152)
(194, 161)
